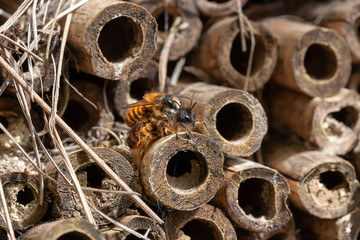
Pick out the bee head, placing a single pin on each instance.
(186, 116)
(170, 102)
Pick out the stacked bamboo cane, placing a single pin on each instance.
(275, 152)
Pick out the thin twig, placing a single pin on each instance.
(21, 47)
(165, 52)
(81, 95)
(51, 31)
(251, 55)
(241, 26)
(177, 71)
(21, 9)
(79, 141)
(118, 224)
(10, 229)
(34, 24)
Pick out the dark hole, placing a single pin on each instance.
(218, 1)
(240, 59)
(320, 62)
(120, 38)
(348, 116)
(257, 197)
(74, 236)
(141, 231)
(95, 175)
(200, 230)
(186, 169)
(139, 87)
(4, 122)
(357, 28)
(165, 21)
(357, 235)
(25, 196)
(280, 236)
(234, 121)
(75, 115)
(333, 180)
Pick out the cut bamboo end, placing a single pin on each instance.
(206, 222)
(218, 8)
(312, 60)
(182, 173)
(220, 54)
(165, 15)
(332, 123)
(343, 17)
(345, 227)
(112, 39)
(133, 89)
(22, 197)
(64, 229)
(323, 185)
(233, 118)
(139, 224)
(91, 175)
(286, 232)
(254, 196)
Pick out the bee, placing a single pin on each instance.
(155, 116)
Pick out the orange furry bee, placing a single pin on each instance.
(156, 116)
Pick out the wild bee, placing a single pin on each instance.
(156, 116)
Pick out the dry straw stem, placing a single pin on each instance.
(79, 141)
(10, 228)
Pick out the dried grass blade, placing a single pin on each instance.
(10, 229)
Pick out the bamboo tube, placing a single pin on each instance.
(206, 222)
(345, 227)
(90, 175)
(343, 17)
(64, 229)
(233, 118)
(218, 8)
(254, 196)
(219, 54)
(133, 89)
(332, 123)
(322, 185)
(22, 197)
(312, 60)
(182, 173)
(112, 39)
(139, 224)
(82, 114)
(287, 232)
(187, 38)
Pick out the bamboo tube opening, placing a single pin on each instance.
(341, 123)
(334, 181)
(94, 175)
(139, 87)
(357, 28)
(257, 197)
(25, 196)
(198, 229)
(161, 14)
(74, 235)
(239, 59)
(186, 170)
(120, 38)
(77, 116)
(320, 62)
(234, 122)
(4, 122)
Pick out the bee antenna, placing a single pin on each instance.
(193, 106)
(191, 101)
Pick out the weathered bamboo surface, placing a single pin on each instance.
(199, 85)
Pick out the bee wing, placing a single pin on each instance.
(138, 104)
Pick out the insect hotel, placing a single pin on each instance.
(179, 119)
